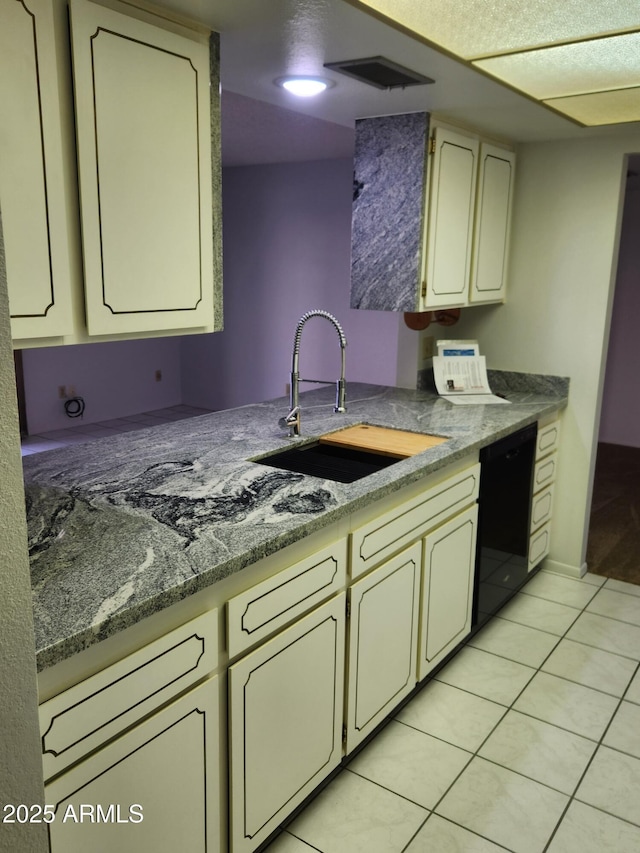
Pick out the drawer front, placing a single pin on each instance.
(277, 601)
(544, 472)
(548, 439)
(156, 785)
(539, 545)
(382, 537)
(83, 718)
(541, 508)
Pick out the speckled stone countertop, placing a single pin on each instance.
(122, 527)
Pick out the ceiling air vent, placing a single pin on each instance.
(380, 72)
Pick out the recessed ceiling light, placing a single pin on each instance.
(304, 87)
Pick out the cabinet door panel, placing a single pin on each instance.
(166, 770)
(493, 211)
(31, 180)
(447, 593)
(450, 227)
(383, 634)
(143, 119)
(285, 709)
(82, 718)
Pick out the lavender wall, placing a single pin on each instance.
(115, 379)
(620, 418)
(286, 250)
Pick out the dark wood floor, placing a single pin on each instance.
(614, 531)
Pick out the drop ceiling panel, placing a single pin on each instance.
(601, 107)
(571, 69)
(487, 27)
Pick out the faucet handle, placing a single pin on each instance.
(291, 421)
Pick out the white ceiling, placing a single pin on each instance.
(264, 39)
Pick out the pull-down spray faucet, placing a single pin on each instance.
(292, 420)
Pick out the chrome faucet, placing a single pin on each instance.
(292, 420)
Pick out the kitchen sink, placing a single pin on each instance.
(340, 464)
(349, 454)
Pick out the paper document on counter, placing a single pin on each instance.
(463, 380)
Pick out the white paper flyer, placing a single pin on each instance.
(463, 380)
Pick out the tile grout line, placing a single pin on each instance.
(600, 743)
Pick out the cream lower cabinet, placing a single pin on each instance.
(447, 588)
(382, 645)
(285, 722)
(153, 789)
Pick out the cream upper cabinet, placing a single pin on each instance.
(143, 127)
(492, 224)
(32, 189)
(449, 231)
(125, 241)
(431, 214)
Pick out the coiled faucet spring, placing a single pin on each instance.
(292, 420)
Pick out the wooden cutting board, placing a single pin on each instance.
(393, 442)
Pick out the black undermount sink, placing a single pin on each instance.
(340, 464)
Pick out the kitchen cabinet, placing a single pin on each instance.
(33, 194)
(285, 722)
(431, 215)
(544, 475)
(131, 754)
(447, 588)
(449, 222)
(134, 248)
(492, 229)
(154, 788)
(382, 644)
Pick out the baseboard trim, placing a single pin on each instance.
(564, 568)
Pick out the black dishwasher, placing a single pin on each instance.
(504, 517)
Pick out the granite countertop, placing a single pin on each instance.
(122, 527)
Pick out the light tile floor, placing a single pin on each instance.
(80, 433)
(527, 741)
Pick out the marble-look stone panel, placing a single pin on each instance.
(122, 527)
(388, 203)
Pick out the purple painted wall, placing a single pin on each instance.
(287, 249)
(115, 379)
(620, 418)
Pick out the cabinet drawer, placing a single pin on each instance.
(272, 604)
(157, 785)
(539, 545)
(544, 472)
(392, 531)
(541, 508)
(86, 716)
(548, 439)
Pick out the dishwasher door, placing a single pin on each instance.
(503, 521)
